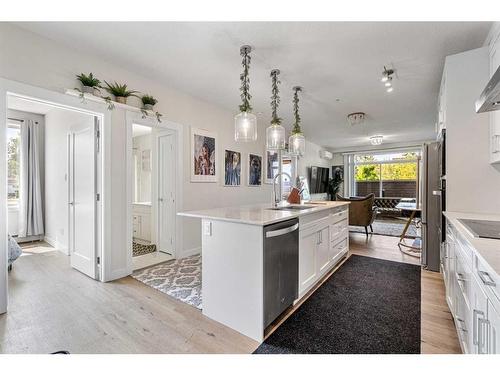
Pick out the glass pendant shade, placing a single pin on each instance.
(245, 127)
(275, 137)
(297, 144)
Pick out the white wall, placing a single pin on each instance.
(13, 213)
(472, 182)
(55, 68)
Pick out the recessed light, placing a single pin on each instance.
(376, 140)
(389, 89)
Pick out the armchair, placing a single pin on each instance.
(362, 211)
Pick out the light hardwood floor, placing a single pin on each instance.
(53, 307)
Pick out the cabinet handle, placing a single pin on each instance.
(462, 324)
(483, 275)
(475, 325)
(483, 339)
(460, 277)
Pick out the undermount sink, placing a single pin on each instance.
(291, 208)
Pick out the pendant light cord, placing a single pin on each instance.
(275, 99)
(245, 80)
(296, 126)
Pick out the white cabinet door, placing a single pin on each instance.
(450, 268)
(323, 250)
(493, 345)
(307, 259)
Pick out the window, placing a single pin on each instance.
(13, 162)
(393, 174)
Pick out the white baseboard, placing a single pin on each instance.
(188, 252)
(56, 245)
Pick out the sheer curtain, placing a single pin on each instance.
(30, 197)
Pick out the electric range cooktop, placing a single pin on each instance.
(483, 228)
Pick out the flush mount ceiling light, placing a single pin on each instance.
(245, 122)
(356, 118)
(387, 79)
(275, 134)
(297, 141)
(376, 140)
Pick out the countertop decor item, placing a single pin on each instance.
(90, 84)
(245, 122)
(275, 134)
(297, 141)
(120, 92)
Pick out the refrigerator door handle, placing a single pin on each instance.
(436, 192)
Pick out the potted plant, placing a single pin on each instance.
(148, 102)
(120, 92)
(89, 83)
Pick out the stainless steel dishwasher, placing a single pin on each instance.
(281, 267)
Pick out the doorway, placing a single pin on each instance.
(53, 182)
(153, 169)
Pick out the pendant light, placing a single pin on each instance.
(275, 134)
(245, 122)
(296, 142)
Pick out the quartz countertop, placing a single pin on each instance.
(488, 249)
(259, 214)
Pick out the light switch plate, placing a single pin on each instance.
(207, 228)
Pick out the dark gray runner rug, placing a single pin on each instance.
(367, 306)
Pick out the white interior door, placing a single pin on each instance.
(82, 197)
(166, 192)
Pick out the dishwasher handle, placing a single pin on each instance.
(281, 232)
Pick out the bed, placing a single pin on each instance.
(14, 251)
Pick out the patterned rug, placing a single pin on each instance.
(140, 249)
(179, 278)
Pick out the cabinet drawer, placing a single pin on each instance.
(462, 323)
(488, 280)
(338, 230)
(339, 247)
(337, 215)
(463, 278)
(462, 246)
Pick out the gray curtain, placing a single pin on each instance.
(30, 197)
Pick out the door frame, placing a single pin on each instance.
(178, 131)
(63, 101)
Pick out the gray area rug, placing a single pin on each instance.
(179, 278)
(387, 226)
(368, 306)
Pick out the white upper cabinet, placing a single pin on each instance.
(495, 116)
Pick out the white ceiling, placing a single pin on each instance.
(339, 64)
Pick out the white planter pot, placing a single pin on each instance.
(121, 99)
(88, 90)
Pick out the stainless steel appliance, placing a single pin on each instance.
(489, 100)
(281, 267)
(482, 228)
(433, 203)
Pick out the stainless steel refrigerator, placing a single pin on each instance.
(432, 203)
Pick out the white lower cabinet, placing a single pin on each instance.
(473, 295)
(323, 242)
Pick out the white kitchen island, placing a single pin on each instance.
(233, 257)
